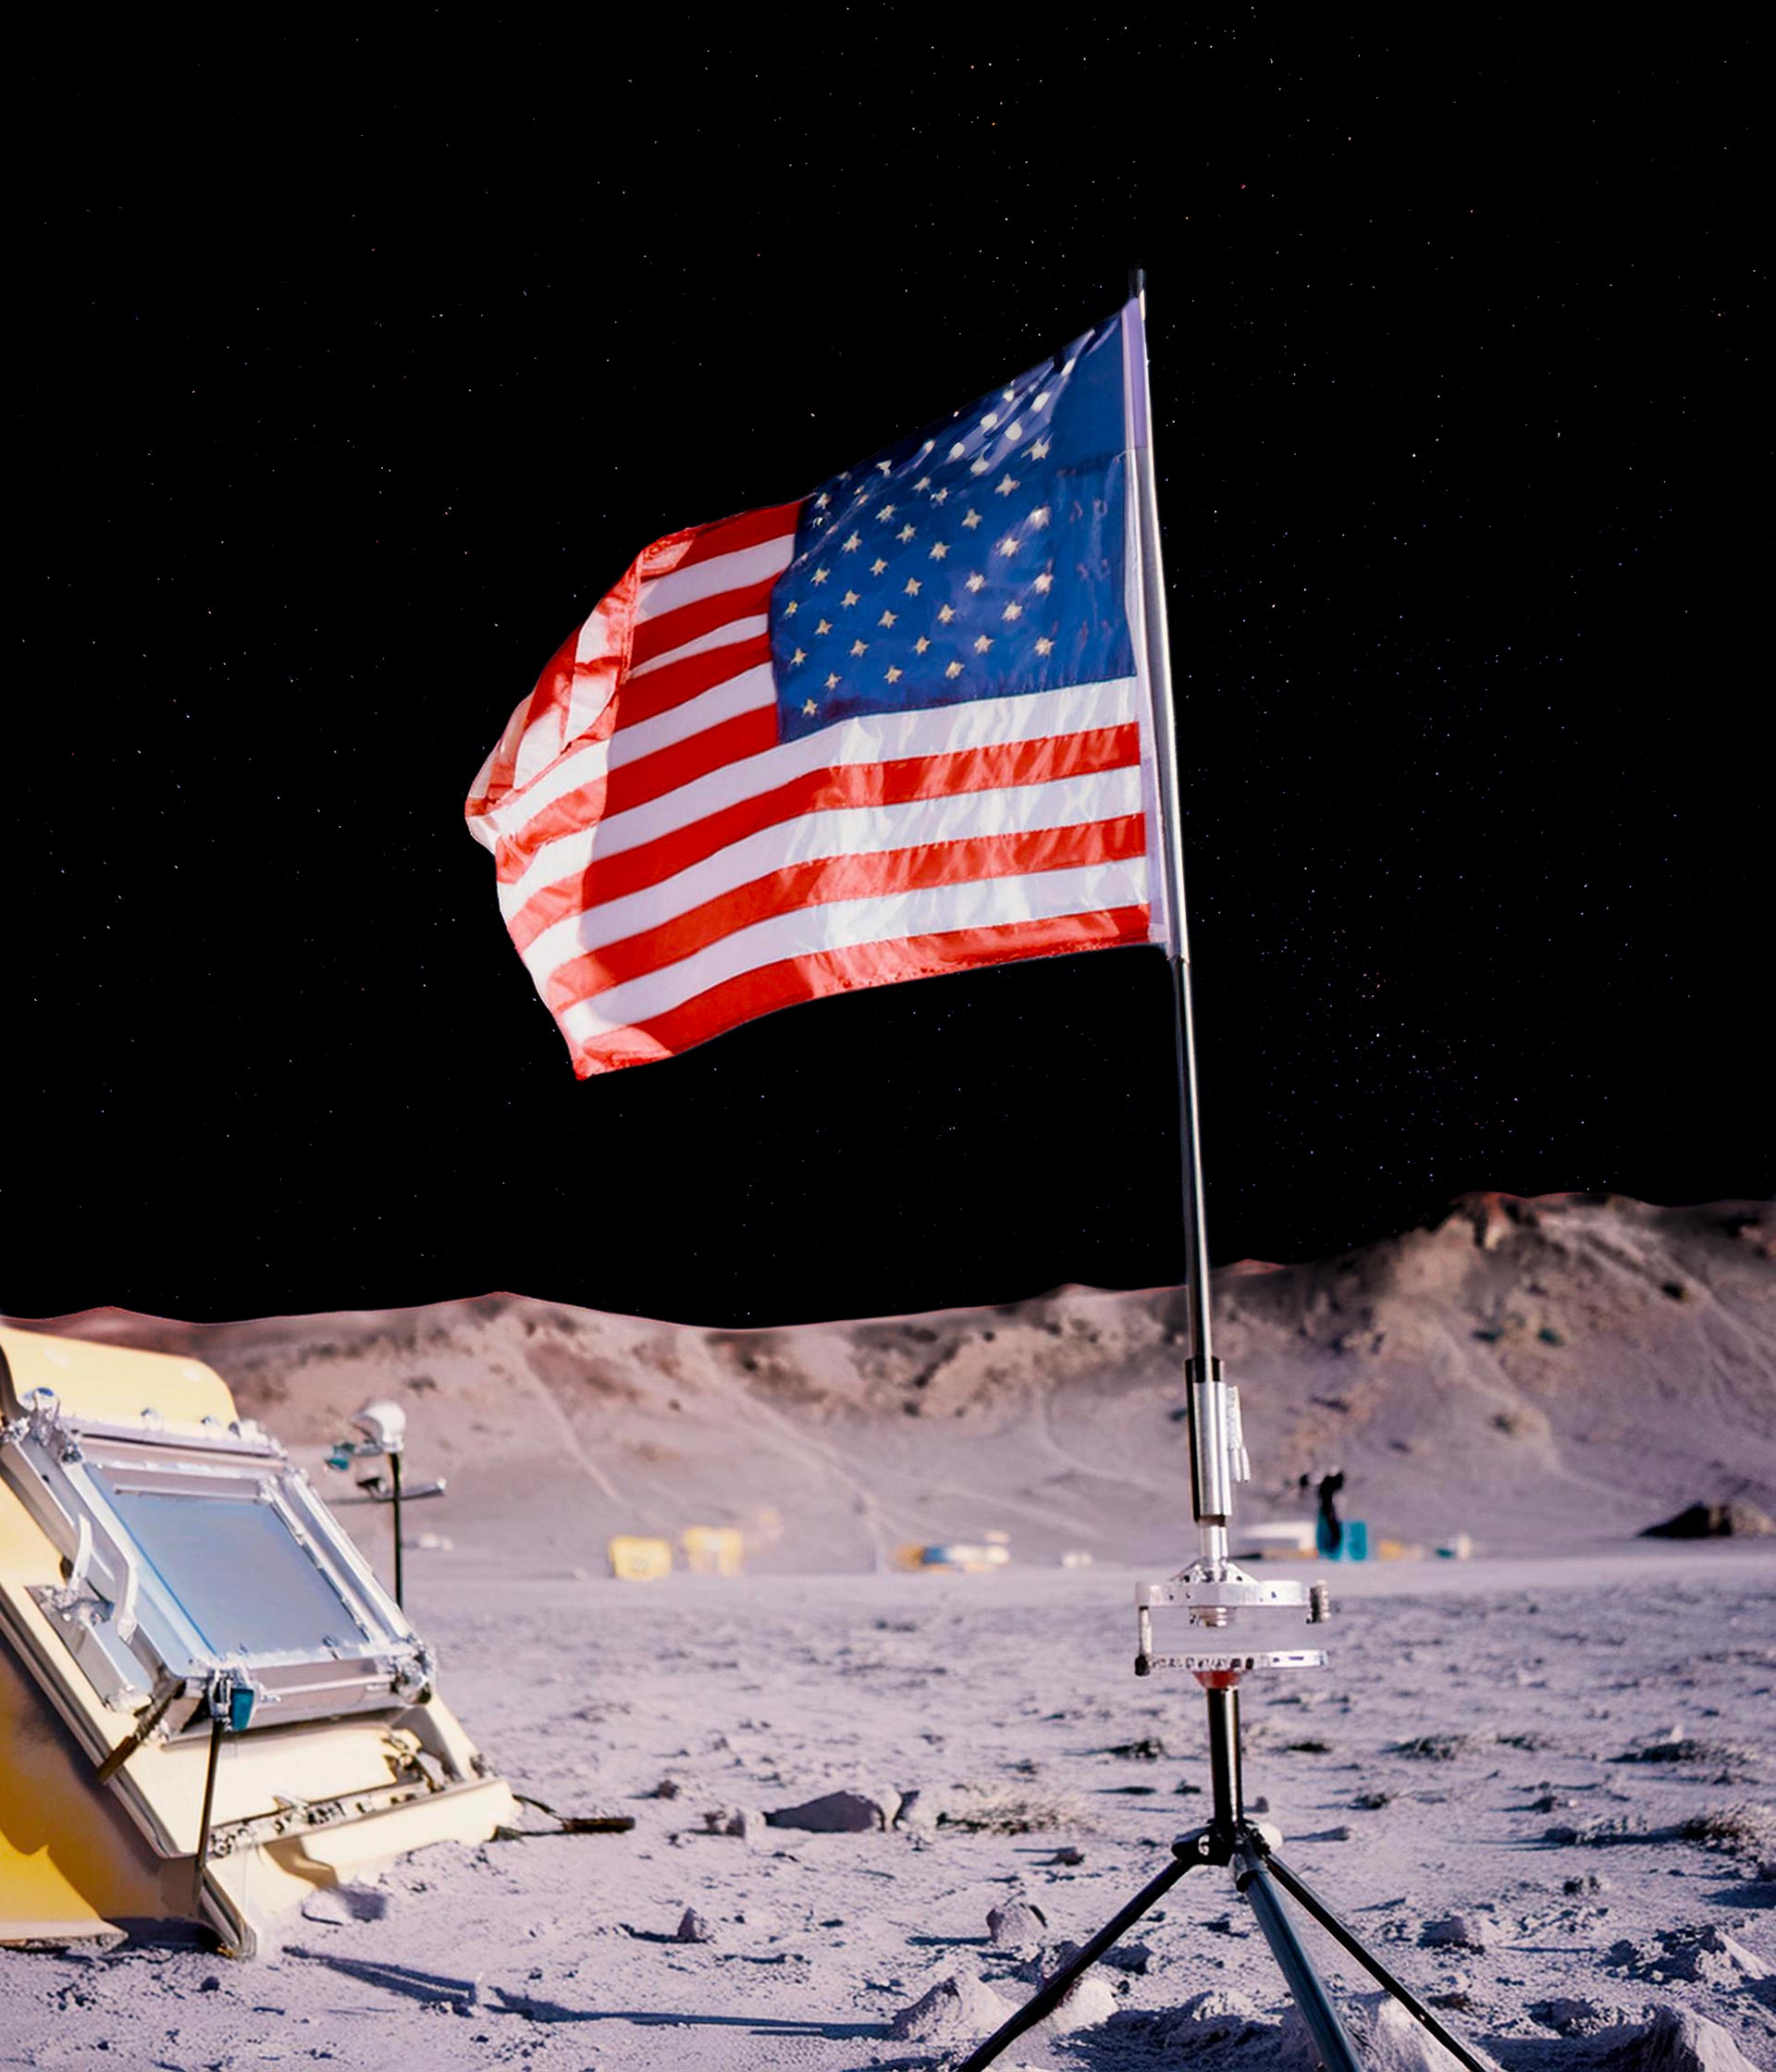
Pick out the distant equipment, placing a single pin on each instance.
(1351, 1545)
(1284, 1539)
(208, 1704)
(973, 1557)
(714, 1550)
(383, 1426)
(635, 1559)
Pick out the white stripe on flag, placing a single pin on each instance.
(737, 571)
(848, 924)
(745, 693)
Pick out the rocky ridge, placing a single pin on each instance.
(1549, 1372)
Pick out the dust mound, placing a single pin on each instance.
(957, 2009)
(1386, 2036)
(1743, 1829)
(1548, 1372)
(1008, 1807)
(1706, 1956)
(1678, 2040)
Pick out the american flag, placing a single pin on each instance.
(900, 727)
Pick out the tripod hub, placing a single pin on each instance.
(1213, 1594)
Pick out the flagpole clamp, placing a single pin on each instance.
(1213, 1594)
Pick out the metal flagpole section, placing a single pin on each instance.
(1213, 1442)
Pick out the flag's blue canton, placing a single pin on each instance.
(983, 558)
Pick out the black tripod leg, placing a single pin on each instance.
(1335, 1928)
(1055, 1991)
(1336, 2052)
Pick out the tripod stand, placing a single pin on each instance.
(1232, 1841)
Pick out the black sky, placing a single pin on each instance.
(356, 371)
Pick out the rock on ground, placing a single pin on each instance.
(337, 1904)
(1457, 1931)
(1017, 1926)
(840, 1813)
(745, 1822)
(1569, 2015)
(1135, 1957)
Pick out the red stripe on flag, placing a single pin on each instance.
(644, 697)
(829, 971)
(749, 528)
(1002, 767)
(824, 879)
(652, 637)
(680, 762)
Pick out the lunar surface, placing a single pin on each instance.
(873, 1805)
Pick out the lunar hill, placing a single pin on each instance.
(1554, 1372)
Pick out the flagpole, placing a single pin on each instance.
(1212, 1587)
(1213, 1444)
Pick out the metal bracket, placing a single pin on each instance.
(1233, 1590)
(150, 1717)
(1263, 1658)
(1212, 1593)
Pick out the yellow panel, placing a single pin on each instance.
(111, 1384)
(27, 1553)
(71, 1860)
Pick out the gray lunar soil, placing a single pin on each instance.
(1541, 1782)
